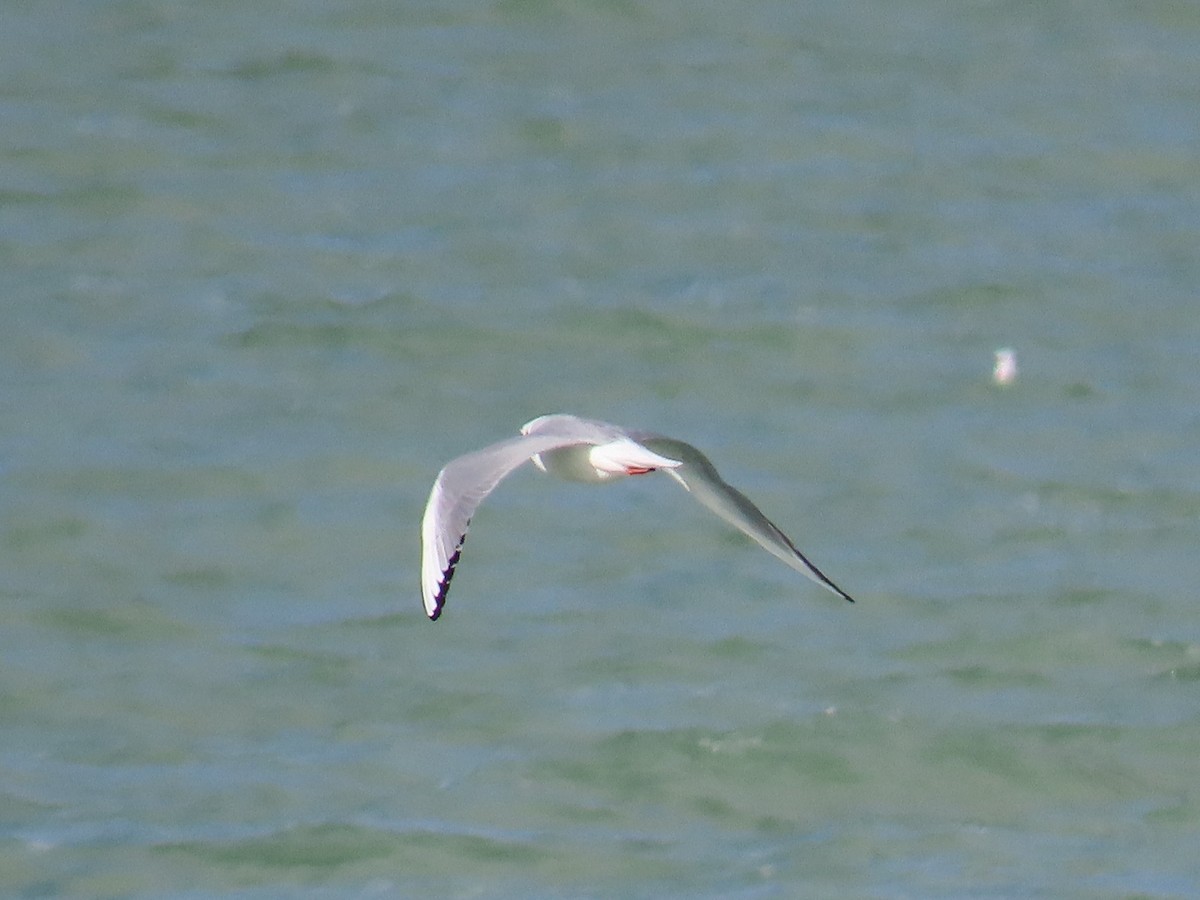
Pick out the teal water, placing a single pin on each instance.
(265, 267)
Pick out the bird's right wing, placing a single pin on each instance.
(703, 482)
(459, 489)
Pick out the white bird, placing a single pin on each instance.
(1004, 370)
(581, 450)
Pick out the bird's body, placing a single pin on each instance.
(589, 451)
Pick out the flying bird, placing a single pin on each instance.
(584, 450)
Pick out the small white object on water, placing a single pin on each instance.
(1005, 369)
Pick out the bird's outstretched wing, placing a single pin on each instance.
(703, 482)
(464, 482)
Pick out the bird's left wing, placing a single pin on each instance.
(703, 482)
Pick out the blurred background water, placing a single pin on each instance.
(265, 267)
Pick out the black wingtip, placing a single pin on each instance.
(439, 599)
(833, 587)
(837, 590)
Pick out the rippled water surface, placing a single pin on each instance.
(265, 267)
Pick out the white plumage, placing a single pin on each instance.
(581, 450)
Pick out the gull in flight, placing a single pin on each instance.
(581, 450)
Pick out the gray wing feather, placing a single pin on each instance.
(463, 484)
(702, 481)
